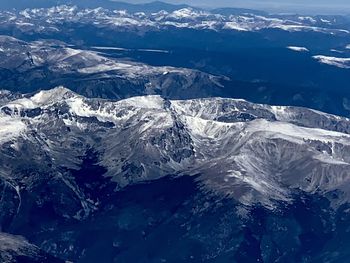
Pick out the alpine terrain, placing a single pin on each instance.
(161, 133)
(72, 166)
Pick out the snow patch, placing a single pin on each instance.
(10, 128)
(298, 49)
(296, 133)
(145, 102)
(234, 26)
(46, 97)
(334, 61)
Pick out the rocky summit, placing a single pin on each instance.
(67, 160)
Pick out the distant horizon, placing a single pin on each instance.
(311, 7)
(302, 7)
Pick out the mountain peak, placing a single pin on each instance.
(57, 94)
(42, 98)
(251, 153)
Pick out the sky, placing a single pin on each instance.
(309, 6)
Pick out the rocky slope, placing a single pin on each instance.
(30, 66)
(72, 167)
(258, 152)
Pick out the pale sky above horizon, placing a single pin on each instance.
(277, 5)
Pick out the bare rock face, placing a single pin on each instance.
(268, 151)
(66, 159)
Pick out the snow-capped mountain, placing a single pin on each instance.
(259, 153)
(51, 19)
(29, 66)
(76, 157)
(147, 157)
(251, 49)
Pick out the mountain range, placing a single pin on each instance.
(28, 67)
(170, 133)
(65, 159)
(274, 59)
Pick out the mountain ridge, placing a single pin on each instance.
(150, 7)
(68, 161)
(187, 128)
